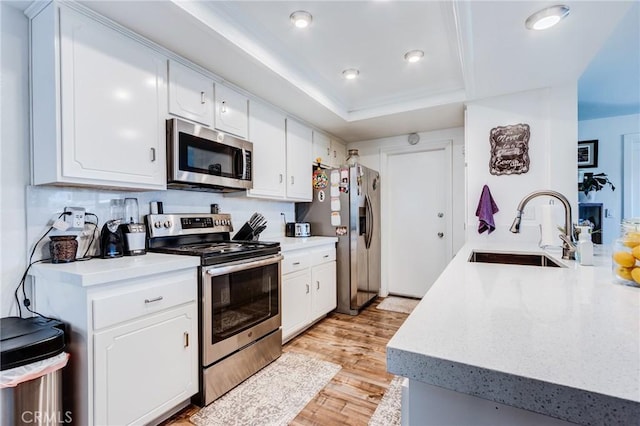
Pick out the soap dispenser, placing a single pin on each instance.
(584, 252)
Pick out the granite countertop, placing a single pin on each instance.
(564, 342)
(100, 271)
(298, 243)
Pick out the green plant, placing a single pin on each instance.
(594, 182)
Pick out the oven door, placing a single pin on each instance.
(241, 303)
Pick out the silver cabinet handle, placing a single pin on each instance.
(328, 152)
(295, 263)
(223, 108)
(186, 339)
(308, 288)
(291, 180)
(326, 256)
(155, 299)
(317, 285)
(280, 177)
(202, 98)
(153, 154)
(440, 234)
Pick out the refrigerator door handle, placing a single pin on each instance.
(369, 224)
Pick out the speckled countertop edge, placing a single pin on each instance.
(562, 402)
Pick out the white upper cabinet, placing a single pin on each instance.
(338, 154)
(190, 94)
(299, 171)
(267, 133)
(99, 103)
(321, 149)
(231, 111)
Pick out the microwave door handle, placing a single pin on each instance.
(244, 163)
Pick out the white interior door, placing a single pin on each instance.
(631, 172)
(418, 224)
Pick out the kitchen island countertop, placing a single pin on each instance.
(564, 342)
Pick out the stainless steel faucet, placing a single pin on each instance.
(568, 248)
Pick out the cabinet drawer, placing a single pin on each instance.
(323, 255)
(120, 307)
(295, 261)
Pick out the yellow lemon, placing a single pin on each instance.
(632, 239)
(635, 274)
(623, 258)
(624, 273)
(636, 252)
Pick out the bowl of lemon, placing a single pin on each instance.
(626, 254)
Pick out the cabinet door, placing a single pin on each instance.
(231, 111)
(296, 302)
(267, 133)
(299, 170)
(190, 94)
(144, 368)
(321, 149)
(323, 282)
(338, 153)
(113, 100)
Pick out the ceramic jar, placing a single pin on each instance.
(626, 254)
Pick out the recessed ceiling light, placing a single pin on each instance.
(350, 73)
(414, 55)
(547, 18)
(301, 18)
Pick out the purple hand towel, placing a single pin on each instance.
(485, 211)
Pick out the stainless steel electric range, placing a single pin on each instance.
(239, 291)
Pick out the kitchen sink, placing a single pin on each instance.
(514, 259)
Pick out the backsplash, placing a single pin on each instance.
(44, 205)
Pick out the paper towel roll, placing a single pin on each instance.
(549, 214)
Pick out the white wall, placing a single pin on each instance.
(14, 151)
(369, 152)
(609, 131)
(552, 116)
(25, 211)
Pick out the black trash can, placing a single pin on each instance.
(32, 357)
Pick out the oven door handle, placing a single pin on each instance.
(224, 270)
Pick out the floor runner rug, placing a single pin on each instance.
(273, 396)
(398, 304)
(388, 411)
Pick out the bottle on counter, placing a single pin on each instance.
(584, 251)
(626, 253)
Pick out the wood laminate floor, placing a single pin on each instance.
(358, 344)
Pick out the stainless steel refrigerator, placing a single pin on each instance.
(346, 204)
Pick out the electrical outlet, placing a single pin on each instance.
(75, 219)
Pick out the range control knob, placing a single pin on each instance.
(167, 224)
(157, 225)
(216, 222)
(227, 222)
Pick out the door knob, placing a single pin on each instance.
(440, 234)
(441, 214)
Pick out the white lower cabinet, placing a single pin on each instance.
(133, 343)
(150, 358)
(309, 289)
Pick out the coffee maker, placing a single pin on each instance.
(111, 240)
(134, 233)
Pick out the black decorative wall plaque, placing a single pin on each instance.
(509, 150)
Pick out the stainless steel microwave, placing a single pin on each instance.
(204, 159)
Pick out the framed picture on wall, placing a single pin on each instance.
(587, 154)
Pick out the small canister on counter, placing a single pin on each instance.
(626, 253)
